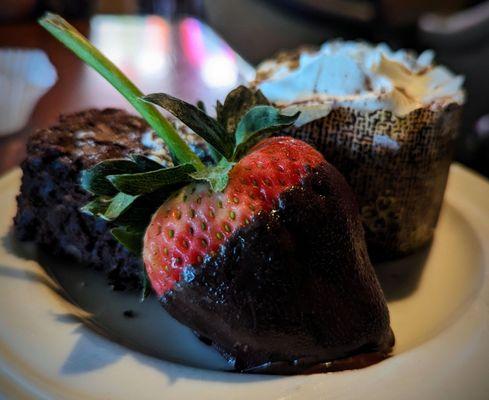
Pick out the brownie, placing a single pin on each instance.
(50, 195)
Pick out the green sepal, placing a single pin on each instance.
(94, 180)
(201, 106)
(133, 241)
(203, 125)
(97, 206)
(147, 182)
(216, 156)
(139, 214)
(217, 175)
(119, 204)
(258, 123)
(237, 103)
(146, 286)
(130, 239)
(146, 163)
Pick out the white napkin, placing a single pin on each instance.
(25, 76)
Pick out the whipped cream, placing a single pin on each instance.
(360, 76)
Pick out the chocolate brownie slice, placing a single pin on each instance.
(50, 196)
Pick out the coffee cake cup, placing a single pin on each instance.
(387, 120)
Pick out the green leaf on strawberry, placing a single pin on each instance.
(97, 206)
(216, 176)
(146, 163)
(197, 120)
(120, 203)
(147, 182)
(236, 104)
(256, 124)
(94, 180)
(131, 239)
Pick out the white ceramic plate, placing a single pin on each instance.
(64, 336)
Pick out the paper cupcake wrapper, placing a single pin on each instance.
(25, 76)
(397, 167)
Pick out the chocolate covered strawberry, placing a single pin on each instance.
(196, 221)
(261, 252)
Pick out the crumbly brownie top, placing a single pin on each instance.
(91, 136)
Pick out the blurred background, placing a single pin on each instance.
(200, 49)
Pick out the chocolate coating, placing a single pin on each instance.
(291, 290)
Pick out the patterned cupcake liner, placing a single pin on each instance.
(397, 166)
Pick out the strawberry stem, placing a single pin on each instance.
(78, 44)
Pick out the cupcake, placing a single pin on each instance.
(386, 119)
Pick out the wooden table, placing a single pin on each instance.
(184, 58)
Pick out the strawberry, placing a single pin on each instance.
(191, 225)
(261, 252)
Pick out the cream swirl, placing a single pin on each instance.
(358, 75)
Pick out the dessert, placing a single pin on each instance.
(274, 270)
(51, 197)
(261, 252)
(386, 119)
